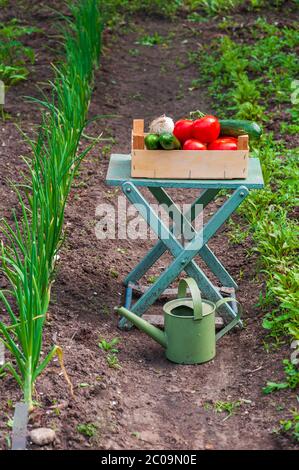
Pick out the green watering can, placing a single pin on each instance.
(189, 326)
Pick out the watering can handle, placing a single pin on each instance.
(195, 295)
(231, 324)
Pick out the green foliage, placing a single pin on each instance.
(112, 361)
(267, 212)
(197, 18)
(109, 345)
(109, 348)
(219, 7)
(253, 79)
(28, 257)
(292, 379)
(227, 406)
(292, 127)
(291, 425)
(150, 40)
(276, 235)
(246, 78)
(87, 429)
(116, 9)
(213, 7)
(14, 56)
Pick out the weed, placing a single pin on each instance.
(106, 150)
(207, 406)
(57, 411)
(280, 407)
(10, 403)
(14, 56)
(123, 251)
(87, 429)
(137, 96)
(112, 361)
(238, 234)
(115, 10)
(195, 84)
(227, 406)
(114, 273)
(292, 379)
(151, 40)
(213, 7)
(197, 18)
(7, 440)
(291, 425)
(106, 310)
(9, 422)
(134, 52)
(109, 345)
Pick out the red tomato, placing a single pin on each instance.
(206, 129)
(225, 138)
(183, 130)
(192, 144)
(224, 143)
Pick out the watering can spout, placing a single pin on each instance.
(143, 325)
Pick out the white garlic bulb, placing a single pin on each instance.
(161, 124)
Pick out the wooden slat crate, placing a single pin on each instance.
(187, 164)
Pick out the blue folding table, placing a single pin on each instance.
(119, 174)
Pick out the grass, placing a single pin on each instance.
(31, 246)
(255, 80)
(221, 7)
(117, 10)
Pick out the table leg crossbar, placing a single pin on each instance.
(183, 255)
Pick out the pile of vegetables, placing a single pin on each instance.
(204, 133)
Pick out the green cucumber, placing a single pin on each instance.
(236, 127)
(152, 142)
(169, 141)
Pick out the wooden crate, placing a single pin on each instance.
(187, 164)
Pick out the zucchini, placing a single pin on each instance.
(236, 127)
(152, 142)
(169, 141)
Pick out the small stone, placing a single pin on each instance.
(42, 436)
(209, 447)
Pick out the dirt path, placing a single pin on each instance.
(149, 403)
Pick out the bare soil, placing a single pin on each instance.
(149, 402)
